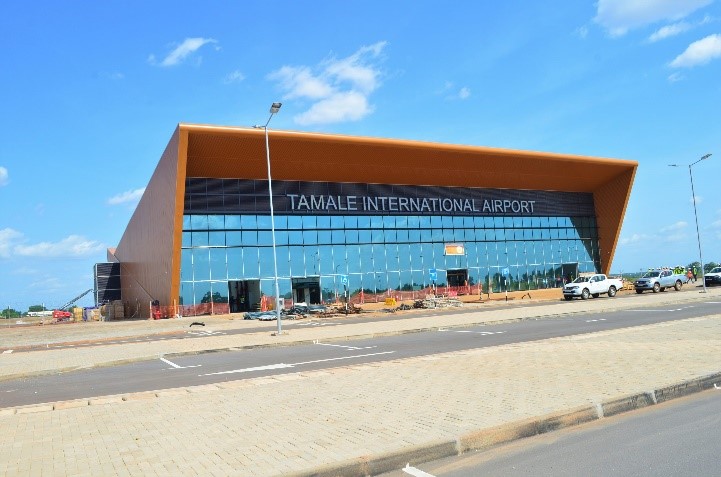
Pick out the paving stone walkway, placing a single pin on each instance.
(355, 420)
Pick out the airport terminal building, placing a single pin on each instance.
(367, 216)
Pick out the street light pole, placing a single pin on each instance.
(274, 108)
(695, 214)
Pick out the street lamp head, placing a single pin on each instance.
(275, 107)
(705, 156)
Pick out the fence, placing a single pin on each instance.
(267, 302)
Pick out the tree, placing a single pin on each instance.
(709, 266)
(37, 308)
(8, 313)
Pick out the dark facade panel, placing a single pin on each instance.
(107, 282)
(327, 198)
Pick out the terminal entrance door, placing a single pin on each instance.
(569, 272)
(306, 290)
(244, 295)
(457, 277)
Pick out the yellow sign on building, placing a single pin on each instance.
(455, 249)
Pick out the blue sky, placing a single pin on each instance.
(92, 91)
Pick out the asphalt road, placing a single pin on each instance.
(191, 370)
(680, 438)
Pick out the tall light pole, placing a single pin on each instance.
(693, 198)
(274, 108)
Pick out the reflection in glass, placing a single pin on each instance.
(381, 253)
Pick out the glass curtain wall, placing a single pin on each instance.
(380, 253)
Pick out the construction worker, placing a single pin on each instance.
(693, 270)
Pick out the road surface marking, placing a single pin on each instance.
(476, 332)
(205, 333)
(343, 346)
(599, 319)
(7, 351)
(178, 366)
(315, 323)
(415, 472)
(292, 365)
(658, 311)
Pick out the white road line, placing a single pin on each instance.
(7, 351)
(205, 333)
(415, 472)
(292, 365)
(178, 366)
(599, 319)
(343, 346)
(485, 333)
(315, 323)
(247, 370)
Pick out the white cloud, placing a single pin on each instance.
(71, 246)
(669, 31)
(582, 31)
(675, 76)
(450, 91)
(234, 77)
(350, 106)
(8, 239)
(4, 178)
(182, 51)
(698, 198)
(125, 197)
(299, 82)
(634, 238)
(354, 69)
(677, 226)
(339, 89)
(699, 52)
(677, 237)
(620, 16)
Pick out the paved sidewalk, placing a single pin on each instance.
(357, 420)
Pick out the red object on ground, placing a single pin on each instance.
(61, 314)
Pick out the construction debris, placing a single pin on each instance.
(440, 302)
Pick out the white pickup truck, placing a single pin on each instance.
(592, 285)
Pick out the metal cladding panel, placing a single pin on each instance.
(611, 201)
(240, 153)
(147, 251)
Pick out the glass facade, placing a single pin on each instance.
(377, 253)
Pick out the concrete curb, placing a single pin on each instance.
(483, 439)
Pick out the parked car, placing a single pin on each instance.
(659, 280)
(593, 285)
(713, 277)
